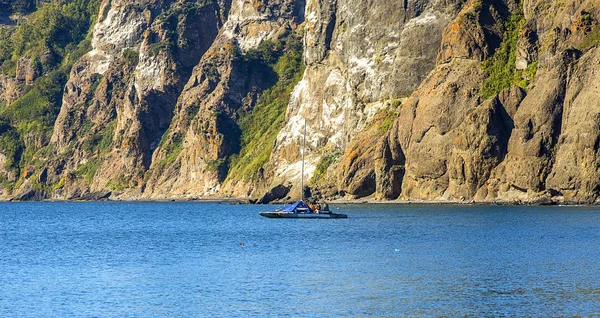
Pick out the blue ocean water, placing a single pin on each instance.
(220, 260)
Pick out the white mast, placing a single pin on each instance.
(303, 150)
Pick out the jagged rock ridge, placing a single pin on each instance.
(413, 100)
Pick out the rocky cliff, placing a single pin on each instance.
(449, 100)
(515, 136)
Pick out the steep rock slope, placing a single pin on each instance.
(554, 144)
(361, 58)
(449, 137)
(120, 98)
(515, 143)
(36, 55)
(193, 159)
(457, 100)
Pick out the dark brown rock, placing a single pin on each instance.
(276, 193)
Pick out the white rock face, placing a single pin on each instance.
(150, 74)
(120, 26)
(358, 55)
(293, 170)
(250, 24)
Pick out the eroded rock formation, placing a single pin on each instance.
(484, 100)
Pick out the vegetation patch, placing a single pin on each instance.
(260, 127)
(524, 78)
(53, 38)
(87, 171)
(56, 27)
(156, 48)
(96, 80)
(326, 161)
(500, 68)
(10, 145)
(38, 108)
(192, 111)
(5, 183)
(164, 138)
(59, 185)
(132, 56)
(119, 184)
(7, 65)
(385, 118)
(216, 165)
(17, 6)
(172, 149)
(107, 137)
(102, 141)
(171, 19)
(388, 121)
(591, 39)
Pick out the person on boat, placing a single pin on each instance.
(326, 208)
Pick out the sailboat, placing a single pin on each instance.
(301, 210)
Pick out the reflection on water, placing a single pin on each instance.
(199, 259)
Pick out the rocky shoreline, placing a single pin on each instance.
(108, 197)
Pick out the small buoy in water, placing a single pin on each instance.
(397, 249)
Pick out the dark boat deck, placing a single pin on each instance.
(291, 215)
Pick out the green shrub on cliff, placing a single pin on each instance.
(53, 38)
(132, 56)
(524, 78)
(119, 184)
(7, 65)
(260, 127)
(172, 18)
(591, 39)
(18, 6)
(51, 34)
(11, 145)
(173, 148)
(500, 68)
(55, 28)
(39, 107)
(99, 142)
(87, 171)
(326, 161)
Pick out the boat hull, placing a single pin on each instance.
(288, 215)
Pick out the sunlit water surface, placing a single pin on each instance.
(211, 259)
